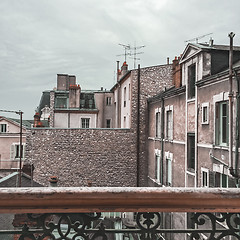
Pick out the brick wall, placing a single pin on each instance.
(152, 81)
(105, 157)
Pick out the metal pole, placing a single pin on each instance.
(21, 151)
(231, 36)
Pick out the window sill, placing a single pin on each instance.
(222, 147)
(189, 100)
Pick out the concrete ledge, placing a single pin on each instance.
(67, 200)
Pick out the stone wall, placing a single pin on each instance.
(153, 80)
(104, 157)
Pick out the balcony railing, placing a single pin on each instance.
(75, 213)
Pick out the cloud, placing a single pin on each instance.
(39, 39)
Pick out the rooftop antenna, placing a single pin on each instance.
(135, 53)
(126, 48)
(197, 38)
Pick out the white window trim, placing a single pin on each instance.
(84, 117)
(158, 166)
(168, 108)
(157, 110)
(13, 151)
(206, 171)
(206, 104)
(7, 127)
(223, 96)
(169, 157)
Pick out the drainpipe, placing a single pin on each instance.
(21, 150)
(235, 173)
(231, 36)
(162, 137)
(138, 125)
(237, 125)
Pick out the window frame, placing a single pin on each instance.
(169, 124)
(158, 167)
(158, 122)
(108, 101)
(192, 73)
(2, 128)
(15, 151)
(85, 122)
(108, 123)
(222, 132)
(204, 173)
(191, 165)
(169, 168)
(205, 115)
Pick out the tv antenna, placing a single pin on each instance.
(126, 48)
(135, 53)
(128, 52)
(197, 38)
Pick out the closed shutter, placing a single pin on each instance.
(12, 152)
(231, 182)
(211, 179)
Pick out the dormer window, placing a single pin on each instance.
(3, 128)
(191, 80)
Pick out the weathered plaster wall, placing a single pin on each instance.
(106, 157)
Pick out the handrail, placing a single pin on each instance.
(107, 199)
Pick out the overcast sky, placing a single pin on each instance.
(41, 38)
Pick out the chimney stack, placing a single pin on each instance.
(124, 68)
(53, 181)
(177, 72)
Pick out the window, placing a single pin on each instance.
(169, 171)
(109, 101)
(221, 180)
(125, 95)
(108, 123)
(205, 113)
(15, 151)
(158, 124)
(221, 123)
(205, 177)
(3, 128)
(191, 151)
(61, 102)
(191, 80)
(85, 122)
(158, 167)
(169, 122)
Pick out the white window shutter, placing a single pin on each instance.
(12, 152)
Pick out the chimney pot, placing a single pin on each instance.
(53, 181)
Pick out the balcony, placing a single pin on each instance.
(75, 213)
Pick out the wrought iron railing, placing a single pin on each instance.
(55, 213)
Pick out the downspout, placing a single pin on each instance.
(138, 125)
(235, 173)
(237, 125)
(162, 138)
(231, 36)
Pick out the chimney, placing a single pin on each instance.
(37, 122)
(53, 181)
(118, 71)
(72, 80)
(74, 96)
(177, 72)
(124, 68)
(62, 82)
(211, 42)
(167, 60)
